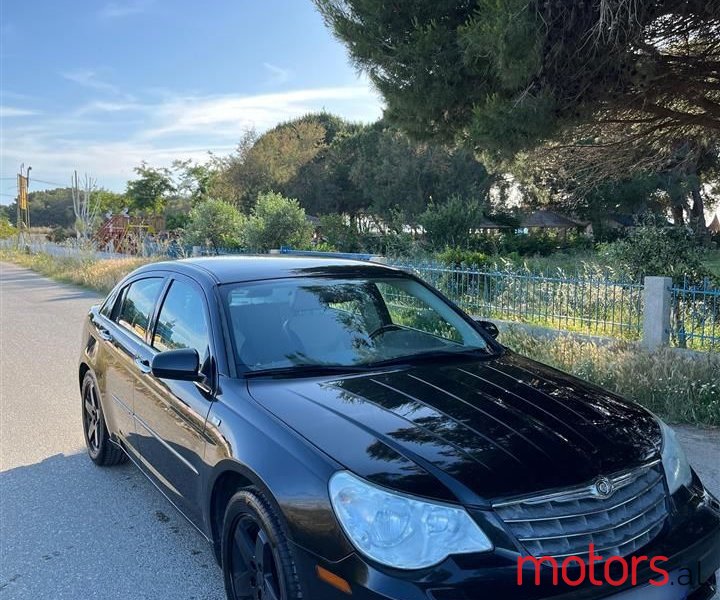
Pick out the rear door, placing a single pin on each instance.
(171, 414)
(123, 328)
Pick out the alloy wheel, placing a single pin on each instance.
(253, 563)
(92, 418)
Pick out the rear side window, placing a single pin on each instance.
(137, 305)
(182, 321)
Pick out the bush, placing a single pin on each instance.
(6, 229)
(338, 234)
(451, 224)
(60, 234)
(532, 244)
(456, 257)
(662, 251)
(215, 223)
(278, 221)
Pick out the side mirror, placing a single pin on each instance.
(489, 327)
(182, 364)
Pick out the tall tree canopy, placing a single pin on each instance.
(334, 166)
(505, 75)
(149, 192)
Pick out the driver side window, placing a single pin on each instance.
(182, 321)
(138, 303)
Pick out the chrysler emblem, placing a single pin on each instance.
(604, 488)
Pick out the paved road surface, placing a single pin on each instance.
(69, 530)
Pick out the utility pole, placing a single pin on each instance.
(23, 207)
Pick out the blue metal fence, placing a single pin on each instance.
(695, 318)
(587, 302)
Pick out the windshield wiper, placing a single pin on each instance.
(421, 357)
(307, 370)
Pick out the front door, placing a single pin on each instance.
(171, 414)
(123, 329)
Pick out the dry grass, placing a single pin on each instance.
(680, 387)
(96, 274)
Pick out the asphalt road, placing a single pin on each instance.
(70, 530)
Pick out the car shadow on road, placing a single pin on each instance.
(70, 529)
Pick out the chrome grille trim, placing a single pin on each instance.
(582, 514)
(595, 531)
(565, 523)
(619, 480)
(630, 541)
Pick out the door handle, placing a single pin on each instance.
(143, 364)
(105, 334)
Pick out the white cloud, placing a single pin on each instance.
(278, 75)
(114, 10)
(232, 115)
(11, 111)
(108, 138)
(89, 78)
(99, 106)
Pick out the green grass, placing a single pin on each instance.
(680, 387)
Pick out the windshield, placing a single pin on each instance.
(287, 323)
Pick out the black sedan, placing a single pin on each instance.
(338, 428)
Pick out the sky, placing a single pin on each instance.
(99, 86)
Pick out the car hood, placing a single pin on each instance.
(472, 432)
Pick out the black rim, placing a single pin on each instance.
(91, 418)
(252, 560)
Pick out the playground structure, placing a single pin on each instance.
(127, 234)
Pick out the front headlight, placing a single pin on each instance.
(675, 463)
(399, 531)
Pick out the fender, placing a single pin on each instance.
(247, 445)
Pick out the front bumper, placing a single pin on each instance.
(691, 544)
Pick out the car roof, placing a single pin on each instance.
(234, 269)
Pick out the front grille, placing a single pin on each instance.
(565, 523)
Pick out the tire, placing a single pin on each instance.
(252, 529)
(97, 439)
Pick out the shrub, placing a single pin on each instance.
(215, 223)
(338, 234)
(451, 223)
(6, 229)
(278, 221)
(60, 234)
(664, 251)
(456, 257)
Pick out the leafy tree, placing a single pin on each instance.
(111, 201)
(277, 221)
(148, 193)
(6, 229)
(378, 169)
(177, 211)
(339, 234)
(49, 208)
(196, 181)
(215, 223)
(508, 74)
(273, 160)
(451, 224)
